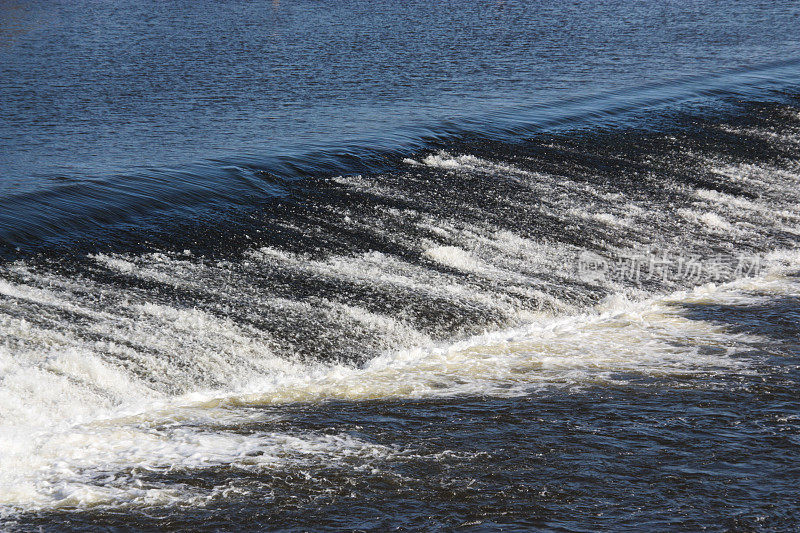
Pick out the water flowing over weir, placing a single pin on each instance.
(451, 271)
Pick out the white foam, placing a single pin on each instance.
(447, 161)
(498, 255)
(772, 182)
(719, 197)
(115, 263)
(376, 269)
(783, 138)
(650, 337)
(708, 219)
(454, 257)
(608, 218)
(373, 186)
(77, 414)
(90, 465)
(471, 163)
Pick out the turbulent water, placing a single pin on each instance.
(275, 266)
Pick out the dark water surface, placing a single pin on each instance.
(91, 88)
(418, 266)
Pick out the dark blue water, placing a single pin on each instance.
(150, 106)
(92, 88)
(380, 266)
